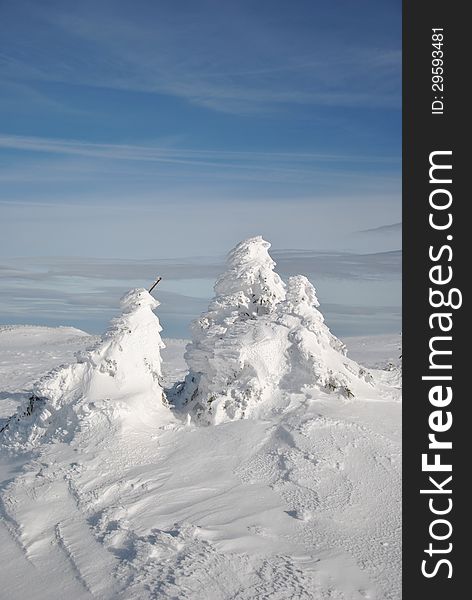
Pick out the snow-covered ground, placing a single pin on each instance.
(301, 503)
(27, 352)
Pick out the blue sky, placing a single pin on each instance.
(162, 130)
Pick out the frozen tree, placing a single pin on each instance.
(250, 280)
(316, 356)
(302, 303)
(116, 382)
(260, 339)
(248, 289)
(246, 294)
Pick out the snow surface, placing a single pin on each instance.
(286, 487)
(27, 352)
(305, 504)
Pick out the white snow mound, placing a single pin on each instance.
(260, 339)
(114, 384)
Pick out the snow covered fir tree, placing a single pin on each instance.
(315, 355)
(116, 384)
(258, 339)
(260, 342)
(247, 293)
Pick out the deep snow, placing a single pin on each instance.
(304, 503)
(265, 464)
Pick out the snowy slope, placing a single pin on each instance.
(27, 352)
(303, 503)
(376, 351)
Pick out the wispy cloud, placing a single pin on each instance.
(187, 172)
(261, 66)
(167, 153)
(139, 168)
(21, 95)
(391, 228)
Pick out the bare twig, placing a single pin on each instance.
(154, 284)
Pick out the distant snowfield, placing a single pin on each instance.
(304, 504)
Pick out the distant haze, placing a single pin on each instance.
(359, 293)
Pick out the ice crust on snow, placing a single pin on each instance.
(260, 337)
(115, 382)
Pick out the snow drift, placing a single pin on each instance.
(260, 338)
(115, 384)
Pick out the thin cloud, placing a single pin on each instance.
(169, 154)
(392, 228)
(129, 52)
(139, 168)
